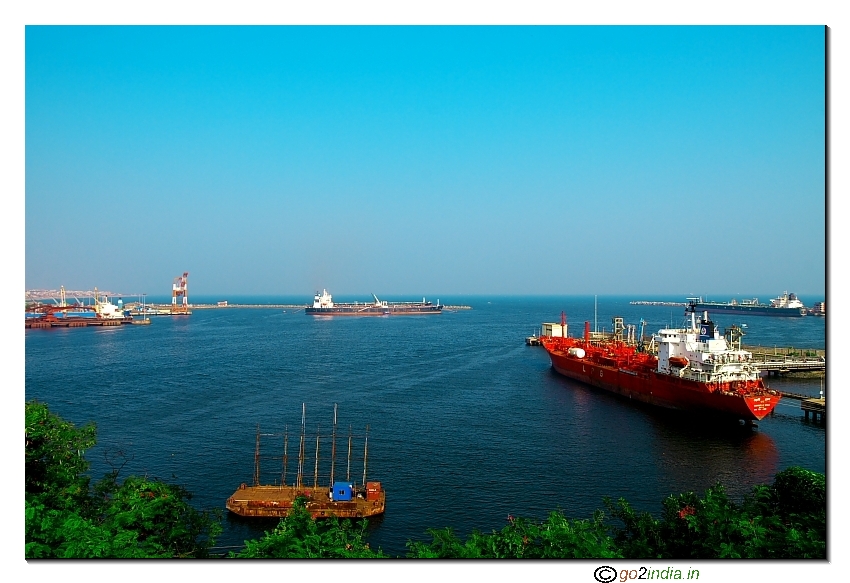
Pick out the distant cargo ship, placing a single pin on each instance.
(786, 305)
(323, 305)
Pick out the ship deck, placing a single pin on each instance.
(277, 501)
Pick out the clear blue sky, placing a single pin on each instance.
(426, 160)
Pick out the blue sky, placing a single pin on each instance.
(426, 160)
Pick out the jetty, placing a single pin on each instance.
(817, 407)
(814, 405)
(776, 361)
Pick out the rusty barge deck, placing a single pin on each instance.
(342, 498)
(277, 501)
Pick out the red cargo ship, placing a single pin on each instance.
(695, 370)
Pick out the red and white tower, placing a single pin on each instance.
(180, 289)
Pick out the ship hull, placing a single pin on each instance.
(666, 391)
(753, 310)
(360, 310)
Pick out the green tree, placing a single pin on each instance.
(55, 465)
(300, 536)
(555, 537)
(66, 518)
(786, 520)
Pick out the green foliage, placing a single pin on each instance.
(298, 536)
(556, 537)
(800, 492)
(65, 518)
(54, 457)
(445, 545)
(784, 521)
(160, 518)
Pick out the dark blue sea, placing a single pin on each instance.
(467, 424)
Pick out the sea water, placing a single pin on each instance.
(466, 424)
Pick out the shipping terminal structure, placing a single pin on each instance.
(63, 314)
(180, 291)
(323, 305)
(343, 498)
(695, 371)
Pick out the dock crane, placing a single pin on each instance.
(180, 289)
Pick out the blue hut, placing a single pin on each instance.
(342, 491)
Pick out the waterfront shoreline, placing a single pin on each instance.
(275, 306)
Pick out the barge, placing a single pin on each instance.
(342, 498)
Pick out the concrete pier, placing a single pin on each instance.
(817, 407)
(777, 361)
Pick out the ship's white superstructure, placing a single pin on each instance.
(106, 309)
(786, 300)
(700, 353)
(323, 301)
